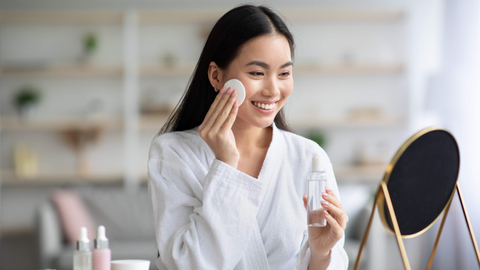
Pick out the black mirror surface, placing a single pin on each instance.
(421, 181)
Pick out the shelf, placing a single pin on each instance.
(61, 70)
(314, 14)
(360, 174)
(180, 15)
(62, 17)
(186, 69)
(152, 122)
(347, 68)
(158, 70)
(309, 121)
(9, 178)
(15, 124)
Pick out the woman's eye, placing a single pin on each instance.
(256, 73)
(285, 74)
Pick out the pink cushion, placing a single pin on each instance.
(73, 215)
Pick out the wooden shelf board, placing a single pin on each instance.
(292, 14)
(15, 124)
(316, 14)
(158, 70)
(181, 15)
(62, 70)
(186, 69)
(151, 122)
(62, 17)
(347, 68)
(342, 122)
(9, 178)
(360, 173)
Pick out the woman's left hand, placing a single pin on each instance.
(322, 239)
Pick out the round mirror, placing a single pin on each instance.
(421, 181)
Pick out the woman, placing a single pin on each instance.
(227, 182)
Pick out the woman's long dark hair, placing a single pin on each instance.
(229, 34)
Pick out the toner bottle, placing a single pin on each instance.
(82, 257)
(317, 182)
(101, 253)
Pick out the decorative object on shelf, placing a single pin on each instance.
(79, 140)
(366, 113)
(169, 60)
(317, 136)
(27, 100)
(90, 46)
(371, 155)
(25, 162)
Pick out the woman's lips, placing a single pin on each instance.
(265, 106)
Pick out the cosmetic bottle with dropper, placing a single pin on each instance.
(101, 253)
(82, 257)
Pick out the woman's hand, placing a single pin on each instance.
(321, 240)
(216, 128)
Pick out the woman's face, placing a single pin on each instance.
(264, 66)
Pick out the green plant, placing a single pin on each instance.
(90, 43)
(317, 137)
(27, 96)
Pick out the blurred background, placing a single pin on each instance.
(86, 85)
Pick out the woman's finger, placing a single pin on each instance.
(337, 230)
(230, 118)
(215, 111)
(224, 112)
(337, 213)
(332, 198)
(305, 199)
(215, 102)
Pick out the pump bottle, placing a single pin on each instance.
(82, 257)
(317, 182)
(101, 253)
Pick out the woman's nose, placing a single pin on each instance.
(271, 88)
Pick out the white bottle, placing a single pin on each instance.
(82, 257)
(317, 181)
(102, 255)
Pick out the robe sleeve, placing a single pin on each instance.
(338, 256)
(200, 226)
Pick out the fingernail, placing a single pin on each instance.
(324, 194)
(328, 189)
(234, 93)
(235, 104)
(229, 90)
(326, 203)
(222, 91)
(326, 213)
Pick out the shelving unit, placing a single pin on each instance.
(62, 71)
(132, 72)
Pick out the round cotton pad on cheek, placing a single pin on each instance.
(236, 85)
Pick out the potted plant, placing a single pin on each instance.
(90, 46)
(27, 100)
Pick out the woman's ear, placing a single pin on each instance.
(215, 75)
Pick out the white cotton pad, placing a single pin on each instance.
(236, 85)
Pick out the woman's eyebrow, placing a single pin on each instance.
(267, 66)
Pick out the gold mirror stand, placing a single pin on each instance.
(383, 190)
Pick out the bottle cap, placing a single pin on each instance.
(83, 243)
(317, 165)
(101, 241)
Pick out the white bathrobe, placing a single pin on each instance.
(209, 215)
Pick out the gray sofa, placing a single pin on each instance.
(127, 216)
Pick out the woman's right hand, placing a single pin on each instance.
(216, 128)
